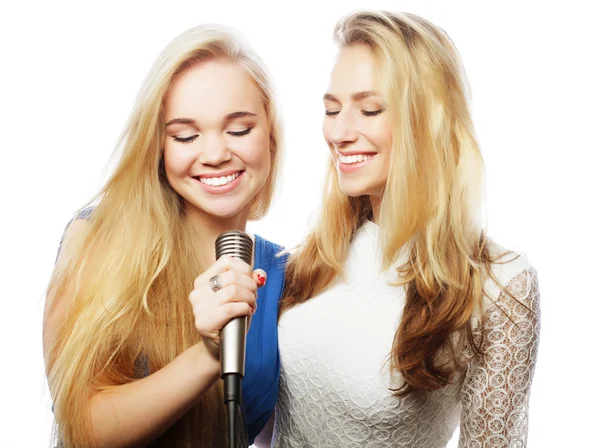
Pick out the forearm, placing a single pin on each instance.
(136, 413)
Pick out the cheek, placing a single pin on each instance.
(326, 133)
(382, 134)
(177, 160)
(328, 128)
(255, 151)
(381, 137)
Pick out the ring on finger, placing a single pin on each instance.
(215, 282)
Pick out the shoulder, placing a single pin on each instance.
(58, 299)
(85, 213)
(507, 264)
(513, 281)
(75, 229)
(78, 223)
(268, 252)
(270, 245)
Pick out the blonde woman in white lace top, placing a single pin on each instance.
(401, 320)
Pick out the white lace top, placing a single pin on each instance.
(335, 374)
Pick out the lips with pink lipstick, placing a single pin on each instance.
(221, 182)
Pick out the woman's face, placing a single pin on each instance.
(356, 125)
(216, 151)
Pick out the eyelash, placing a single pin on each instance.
(240, 133)
(191, 138)
(369, 113)
(366, 113)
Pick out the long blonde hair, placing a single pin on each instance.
(431, 205)
(129, 277)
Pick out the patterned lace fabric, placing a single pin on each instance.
(494, 396)
(335, 375)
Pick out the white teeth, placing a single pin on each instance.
(219, 181)
(354, 159)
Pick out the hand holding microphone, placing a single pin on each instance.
(222, 319)
(236, 297)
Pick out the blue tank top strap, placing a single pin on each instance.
(261, 381)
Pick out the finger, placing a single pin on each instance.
(226, 262)
(260, 277)
(240, 282)
(223, 264)
(235, 293)
(234, 277)
(230, 311)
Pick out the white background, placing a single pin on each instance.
(70, 72)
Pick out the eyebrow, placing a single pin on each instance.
(228, 117)
(234, 115)
(355, 96)
(181, 121)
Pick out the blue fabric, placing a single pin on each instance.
(261, 381)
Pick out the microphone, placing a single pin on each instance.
(234, 243)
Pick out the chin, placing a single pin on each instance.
(353, 190)
(220, 209)
(224, 212)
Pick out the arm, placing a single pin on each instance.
(495, 393)
(136, 413)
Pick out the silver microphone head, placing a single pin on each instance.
(234, 243)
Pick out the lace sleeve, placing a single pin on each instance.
(495, 392)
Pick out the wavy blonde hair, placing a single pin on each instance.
(430, 209)
(128, 278)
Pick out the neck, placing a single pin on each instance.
(208, 228)
(375, 207)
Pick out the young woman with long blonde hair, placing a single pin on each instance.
(400, 318)
(137, 301)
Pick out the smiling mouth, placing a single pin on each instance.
(355, 158)
(220, 181)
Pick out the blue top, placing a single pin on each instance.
(261, 381)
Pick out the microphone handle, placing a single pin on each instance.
(233, 346)
(233, 335)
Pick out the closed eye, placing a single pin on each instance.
(239, 133)
(189, 139)
(332, 112)
(371, 113)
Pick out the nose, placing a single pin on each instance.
(214, 151)
(341, 129)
